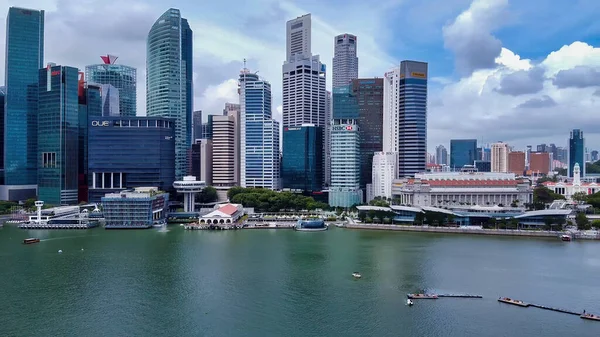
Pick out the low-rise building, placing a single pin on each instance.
(142, 207)
(223, 215)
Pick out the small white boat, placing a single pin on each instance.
(409, 302)
(356, 275)
(565, 237)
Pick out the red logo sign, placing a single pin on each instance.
(349, 127)
(56, 72)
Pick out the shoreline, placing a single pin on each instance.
(469, 231)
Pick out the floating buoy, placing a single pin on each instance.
(82, 249)
(60, 251)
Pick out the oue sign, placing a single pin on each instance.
(99, 123)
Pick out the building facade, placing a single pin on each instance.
(259, 134)
(516, 162)
(130, 152)
(90, 105)
(385, 170)
(539, 163)
(121, 77)
(58, 135)
(345, 61)
(441, 155)
(298, 37)
(168, 80)
(462, 152)
(110, 101)
(499, 157)
(138, 208)
(576, 152)
(449, 189)
(24, 59)
(225, 163)
(197, 125)
(302, 164)
(405, 116)
(345, 188)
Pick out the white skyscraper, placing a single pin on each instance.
(345, 62)
(345, 164)
(499, 157)
(298, 34)
(385, 170)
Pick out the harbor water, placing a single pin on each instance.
(287, 283)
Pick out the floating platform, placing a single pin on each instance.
(436, 296)
(513, 302)
(422, 296)
(590, 317)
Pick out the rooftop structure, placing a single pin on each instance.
(189, 187)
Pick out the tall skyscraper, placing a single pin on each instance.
(197, 125)
(462, 152)
(259, 134)
(500, 157)
(576, 152)
(369, 97)
(90, 105)
(441, 155)
(304, 93)
(225, 150)
(58, 135)
(345, 62)
(405, 116)
(168, 80)
(2, 100)
(327, 141)
(121, 77)
(24, 59)
(302, 164)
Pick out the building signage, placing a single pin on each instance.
(343, 128)
(418, 75)
(100, 123)
(56, 72)
(292, 129)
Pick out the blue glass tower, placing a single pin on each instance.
(24, 59)
(462, 152)
(576, 152)
(58, 135)
(259, 163)
(302, 164)
(169, 80)
(121, 77)
(90, 105)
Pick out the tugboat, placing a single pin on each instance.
(30, 241)
(356, 275)
(565, 237)
(409, 302)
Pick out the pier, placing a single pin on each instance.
(460, 296)
(436, 296)
(57, 226)
(526, 305)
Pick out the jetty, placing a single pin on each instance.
(544, 307)
(58, 225)
(436, 296)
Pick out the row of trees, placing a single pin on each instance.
(265, 200)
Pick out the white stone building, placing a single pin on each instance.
(385, 170)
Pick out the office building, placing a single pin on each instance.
(327, 141)
(121, 77)
(368, 93)
(594, 156)
(499, 157)
(298, 37)
(441, 155)
(24, 58)
(206, 161)
(110, 100)
(90, 105)
(58, 135)
(462, 152)
(168, 80)
(302, 164)
(130, 152)
(405, 116)
(576, 152)
(2, 100)
(345, 163)
(539, 163)
(516, 162)
(385, 170)
(225, 150)
(197, 126)
(345, 61)
(259, 134)
(135, 209)
(483, 166)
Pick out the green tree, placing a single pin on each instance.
(548, 222)
(233, 191)
(208, 195)
(562, 172)
(579, 197)
(582, 221)
(596, 224)
(544, 195)
(419, 218)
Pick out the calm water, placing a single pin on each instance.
(284, 283)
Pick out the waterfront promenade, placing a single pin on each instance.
(473, 231)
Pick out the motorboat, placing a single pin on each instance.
(356, 275)
(31, 240)
(409, 302)
(565, 237)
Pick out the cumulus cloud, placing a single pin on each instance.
(578, 77)
(522, 82)
(535, 103)
(470, 35)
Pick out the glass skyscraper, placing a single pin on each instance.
(462, 152)
(302, 164)
(576, 152)
(259, 164)
(90, 105)
(24, 59)
(169, 80)
(58, 135)
(123, 78)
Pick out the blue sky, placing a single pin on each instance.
(519, 71)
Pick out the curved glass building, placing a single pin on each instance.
(122, 77)
(169, 80)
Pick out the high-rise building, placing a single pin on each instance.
(499, 157)
(90, 105)
(206, 161)
(298, 33)
(168, 80)
(405, 116)
(110, 100)
(24, 59)
(230, 107)
(302, 164)
(2, 100)
(516, 162)
(462, 152)
(197, 125)
(441, 155)
(594, 156)
(385, 170)
(369, 97)
(225, 150)
(58, 135)
(542, 148)
(327, 141)
(259, 134)
(483, 166)
(345, 61)
(576, 152)
(121, 77)
(345, 164)
(539, 163)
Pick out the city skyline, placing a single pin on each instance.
(487, 98)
